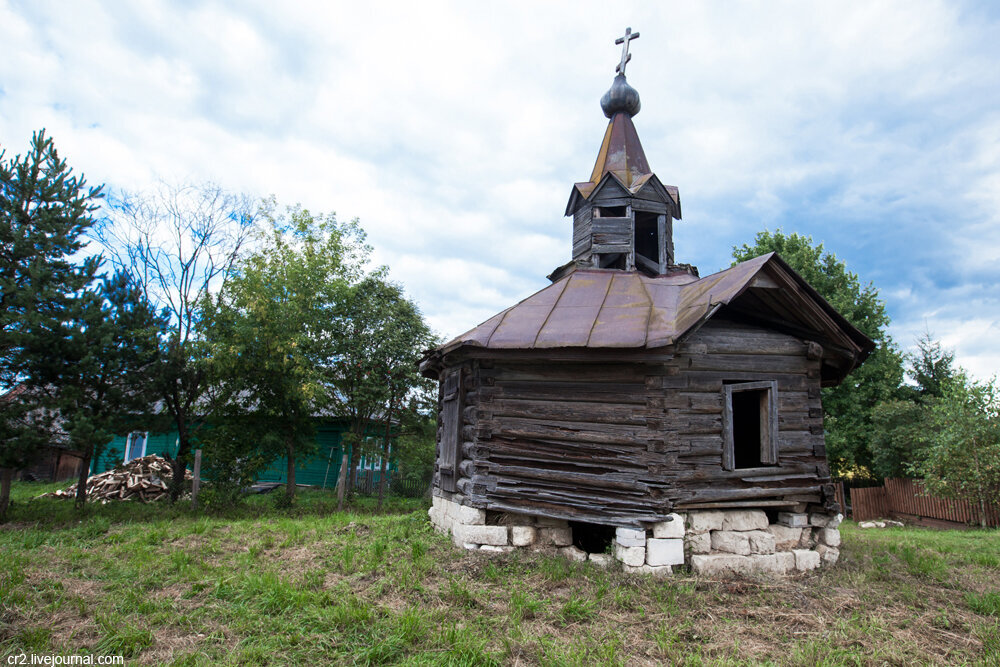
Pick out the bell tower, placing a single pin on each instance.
(623, 216)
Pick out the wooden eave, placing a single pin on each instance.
(614, 311)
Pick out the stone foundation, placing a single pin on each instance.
(712, 543)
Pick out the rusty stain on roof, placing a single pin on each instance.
(621, 153)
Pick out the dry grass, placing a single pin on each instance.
(268, 586)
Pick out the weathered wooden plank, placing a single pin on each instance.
(600, 413)
(578, 431)
(770, 363)
(706, 380)
(568, 391)
(599, 247)
(593, 374)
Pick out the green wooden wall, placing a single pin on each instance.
(313, 471)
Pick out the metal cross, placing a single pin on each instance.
(626, 56)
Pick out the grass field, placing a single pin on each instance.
(262, 585)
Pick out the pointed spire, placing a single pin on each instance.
(621, 152)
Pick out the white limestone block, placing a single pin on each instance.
(805, 559)
(470, 546)
(557, 537)
(574, 553)
(829, 536)
(601, 560)
(470, 516)
(630, 537)
(731, 541)
(766, 564)
(496, 549)
(793, 519)
(665, 551)
(744, 520)
(819, 519)
(835, 520)
(702, 522)
(808, 540)
(494, 535)
(523, 536)
(669, 529)
(761, 541)
(786, 561)
(720, 564)
(828, 555)
(656, 571)
(785, 537)
(698, 543)
(634, 556)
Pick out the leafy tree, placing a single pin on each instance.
(963, 456)
(847, 407)
(396, 357)
(45, 212)
(272, 331)
(179, 243)
(899, 436)
(901, 428)
(99, 365)
(382, 335)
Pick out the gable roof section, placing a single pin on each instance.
(601, 309)
(611, 185)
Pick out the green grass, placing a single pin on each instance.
(265, 584)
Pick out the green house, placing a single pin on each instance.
(321, 470)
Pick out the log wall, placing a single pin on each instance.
(629, 441)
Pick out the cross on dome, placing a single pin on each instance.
(626, 56)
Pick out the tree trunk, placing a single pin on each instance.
(6, 478)
(81, 482)
(290, 455)
(179, 462)
(342, 481)
(361, 429)
(385, 455)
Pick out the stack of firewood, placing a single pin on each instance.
(144, 479)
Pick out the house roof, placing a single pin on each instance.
(603, 308)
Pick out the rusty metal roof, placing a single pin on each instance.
(602, 308)
(621, 153)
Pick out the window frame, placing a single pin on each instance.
(129, 439)
(769, 439)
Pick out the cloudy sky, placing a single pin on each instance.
(454, 131)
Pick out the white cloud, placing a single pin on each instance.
(454, 131)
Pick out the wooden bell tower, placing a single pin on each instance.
(623, 216)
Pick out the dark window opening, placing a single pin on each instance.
(612, 261)
(592, 537)
(749, 425)
(647, 236)
(611, 211)
(747, 432)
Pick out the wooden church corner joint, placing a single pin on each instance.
(635, 412)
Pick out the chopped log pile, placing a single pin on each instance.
(144, 479)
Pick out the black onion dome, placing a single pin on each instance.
(621, 97)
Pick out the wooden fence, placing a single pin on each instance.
(906, 499)
(367, 481)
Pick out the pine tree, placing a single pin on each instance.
(104, 366)
(45, 212)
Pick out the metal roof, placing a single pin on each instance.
(602, 308)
